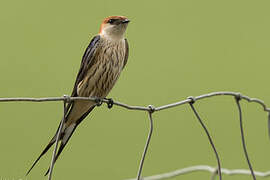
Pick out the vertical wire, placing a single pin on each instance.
(237, 99)
(269, 124)
(146, 146)
(209, 138)
(56, 142)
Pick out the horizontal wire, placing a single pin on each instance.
(201, 168)
(141, 108)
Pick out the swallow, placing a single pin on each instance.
(101, 65)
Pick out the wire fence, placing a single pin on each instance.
(201, 168)
(215, 171)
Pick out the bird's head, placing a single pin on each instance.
(114, 27)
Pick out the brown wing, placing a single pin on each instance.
(86, 63)
(127, 53)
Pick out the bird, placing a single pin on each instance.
(101, 65)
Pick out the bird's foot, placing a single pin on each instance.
(110, 102)
(98, 101)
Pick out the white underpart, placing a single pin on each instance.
(68, 131)
(113, 32)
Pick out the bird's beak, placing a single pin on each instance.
(125, 21)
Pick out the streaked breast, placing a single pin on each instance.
(101, 77)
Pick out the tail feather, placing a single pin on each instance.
(67, 134)
(42, 153)
(52, 141)
(64, 138)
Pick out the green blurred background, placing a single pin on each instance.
(177, 49)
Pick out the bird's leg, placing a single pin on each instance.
(98, 101)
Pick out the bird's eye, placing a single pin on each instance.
(111, 21)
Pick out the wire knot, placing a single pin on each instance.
(67, 98)
(109, 102)
(192, 99)
(238, 96)
(151, 108)
(216, 171)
